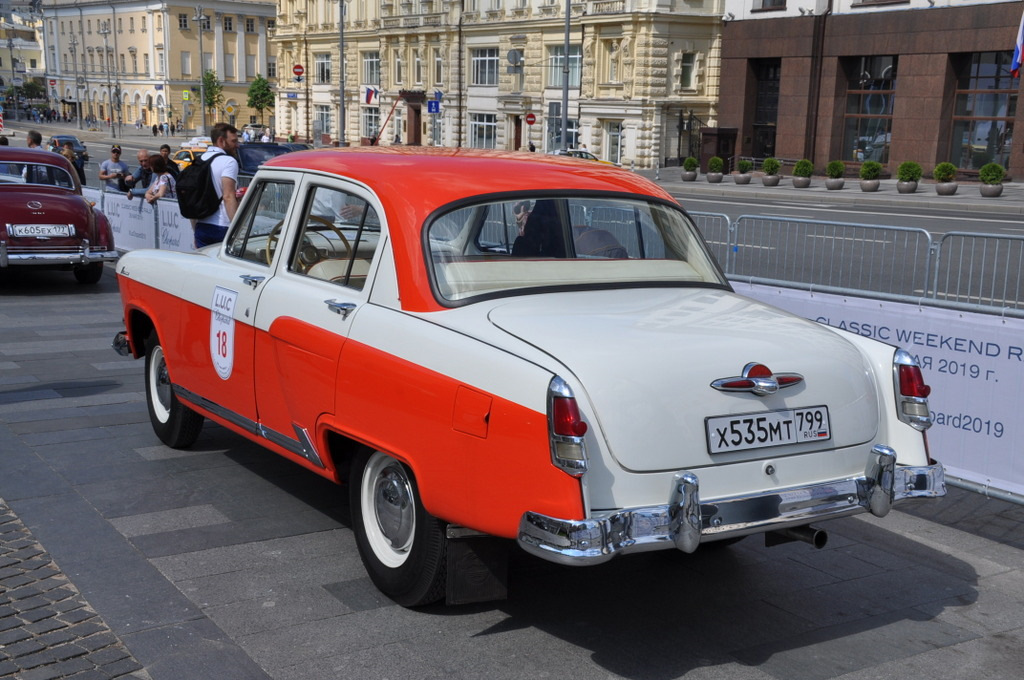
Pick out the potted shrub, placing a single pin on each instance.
(802, 172)
(715, 165)
(770, 166)
(944, 175)
(908, 174)
(991, 176)
(744, 167)
(834, 172)
(690, 169)
(869, 173)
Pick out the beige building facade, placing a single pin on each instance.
(140, 63)
(477, 73)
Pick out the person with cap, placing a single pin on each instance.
(113, 169)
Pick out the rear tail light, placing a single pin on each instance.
(911, 391)
(566, 429)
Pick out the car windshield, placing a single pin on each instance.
(35, 173)
(504, 246)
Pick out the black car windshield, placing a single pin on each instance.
(252, 156)
(35, 173)
(503, 246)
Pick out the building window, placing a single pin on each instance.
(687, 63)
(483, 131)
(554, 128)
(322, 118)
(399, 76)
(438, 67)
(131, 24)
(183, 22)
(417, 67)
(229, 24)
(229, 65)
(371, 68)
(271, 24)
(322, 73)
(613, 140)
(186, 63)
(773, 4)
(250, 25)
(556, 58)
(369, 121)
(142, 21)
(206, 23)
(271, 67)
(768, 74)
(870, 92)
(485, 67)
(986, 103)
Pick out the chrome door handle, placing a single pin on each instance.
(251, 279)
(343, 308)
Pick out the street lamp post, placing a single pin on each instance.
(200, 19)
(105, 31)
(78, 88)
(341, 75)
(14, 93)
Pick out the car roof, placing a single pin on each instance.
(18, 154)
(413, 181)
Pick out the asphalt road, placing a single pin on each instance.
(224, 561)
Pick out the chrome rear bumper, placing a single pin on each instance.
(684, 521)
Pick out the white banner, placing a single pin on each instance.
(175, 231)
(974, 363)
(132, 221)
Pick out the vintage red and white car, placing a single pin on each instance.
(534, 348)
(46, 222)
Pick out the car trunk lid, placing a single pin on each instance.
(647, 358)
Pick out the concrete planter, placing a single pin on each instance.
(714, 177)
(744, 178)
(946, 188)
(991, 190)
(801, 182)
(771, 180)
(689, 175)
(869, 184)
(906, 187)
(834, 183)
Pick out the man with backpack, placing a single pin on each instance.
(206, 188)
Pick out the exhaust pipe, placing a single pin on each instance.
(808, 534)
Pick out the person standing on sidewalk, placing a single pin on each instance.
(224, 175)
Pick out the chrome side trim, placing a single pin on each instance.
(82, 255)
(303, 447)
(683, 522)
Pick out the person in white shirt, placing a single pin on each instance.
(224, 174)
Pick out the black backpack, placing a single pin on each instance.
(197, 197)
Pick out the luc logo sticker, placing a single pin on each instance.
(222, 331)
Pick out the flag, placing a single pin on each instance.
(370, 94)
(1018, 49)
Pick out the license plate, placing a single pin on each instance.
(774, 428)
(45, 230)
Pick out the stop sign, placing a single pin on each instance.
(298, 70)
(530, 119)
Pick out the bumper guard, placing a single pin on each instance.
(684, 521)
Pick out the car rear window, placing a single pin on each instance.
(529, 243)
(35, 173)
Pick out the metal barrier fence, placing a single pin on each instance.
(980, 272)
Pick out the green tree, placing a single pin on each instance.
(261, 95)
(213, 92)
(33, 89)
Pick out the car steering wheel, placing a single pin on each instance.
(272, 237)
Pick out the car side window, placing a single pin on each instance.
(340, 233)
(258, 232)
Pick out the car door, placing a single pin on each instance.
(305, 311)
(218, 332)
